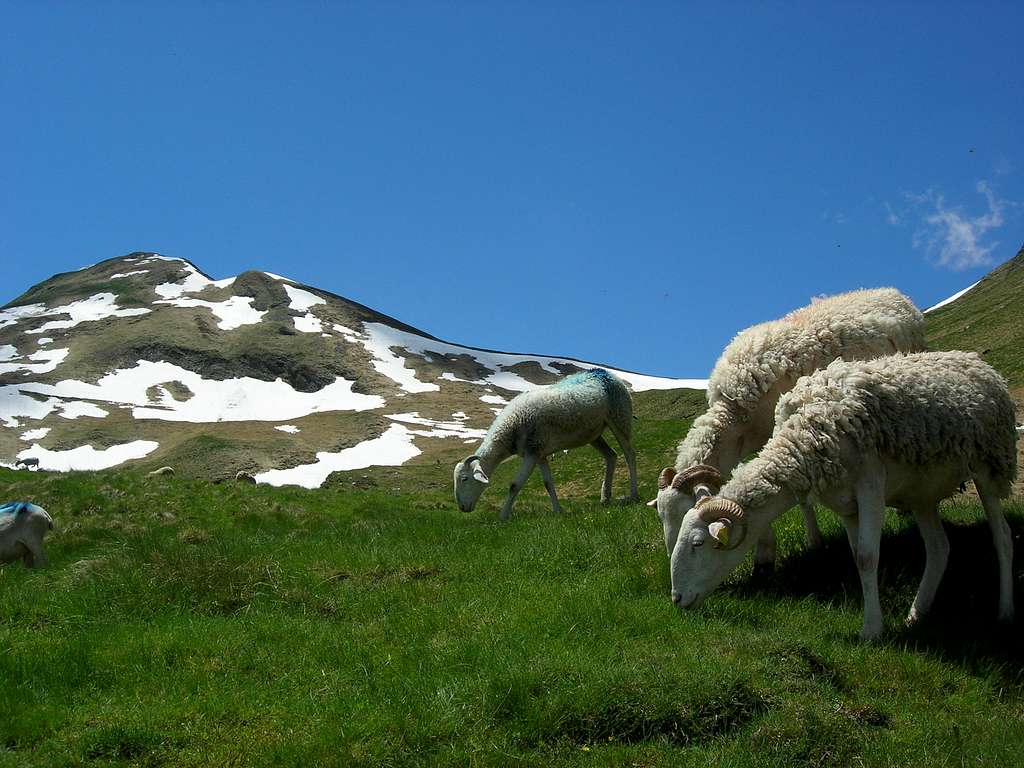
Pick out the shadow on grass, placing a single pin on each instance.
(632, 719)
(962, 626)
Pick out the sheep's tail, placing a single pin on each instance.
(620, 404)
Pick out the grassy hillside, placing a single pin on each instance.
(183, 623)
(989, 319)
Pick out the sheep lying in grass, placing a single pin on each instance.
(568, 414)
(22, 528)
(757, 367)
(898, 431)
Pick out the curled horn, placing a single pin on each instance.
(725, 521)
(712, 509)
(699, 474)
(469, 459)
(665, 478)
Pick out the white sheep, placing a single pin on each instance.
(568, 414)
(22, 528)
(755, 369)
(902, 431)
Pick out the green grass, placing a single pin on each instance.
(987, 320)
(183, 623)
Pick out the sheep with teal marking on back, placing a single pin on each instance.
(23, 526)
(568, 414)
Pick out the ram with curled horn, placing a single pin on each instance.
(859, 437)
(726, 524)
(762, 363)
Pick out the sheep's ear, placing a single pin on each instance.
(700, 492)
(653, 503)
(478, 472)
(719, 531)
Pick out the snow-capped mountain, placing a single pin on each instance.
(146, 358)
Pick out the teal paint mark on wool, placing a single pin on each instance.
(14, 507)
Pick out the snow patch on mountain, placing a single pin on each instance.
(308, 323)
(88, 458)
(951, 299)
(96, 307)
(241, 399)
(392, 449)
(73, 409)
(15, 405)
(302, 301)
(438, 428)
(51, 359)
(194, 281)
(231, 313)
(380, 340)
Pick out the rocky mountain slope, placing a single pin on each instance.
(146, 359)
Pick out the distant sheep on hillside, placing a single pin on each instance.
(756, 368)
(571, 413)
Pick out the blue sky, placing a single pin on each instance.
(630, 183)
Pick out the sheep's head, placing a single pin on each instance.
(470, 481)
(708, 547)
(678, 492)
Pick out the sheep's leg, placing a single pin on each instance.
(850, 525)
(814, 540)
(870, 513)
(626, 443)
(549, 484)
(609, 468)
(936, 547)
(1003, 542)
(34, 556)
(525, 468)
(764, 553)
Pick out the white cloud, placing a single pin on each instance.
(953, 238)
(893, 217)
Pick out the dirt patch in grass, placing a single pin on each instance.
(638, 720)
(801, 662)
(139, 745)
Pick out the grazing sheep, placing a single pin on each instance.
(244, 477)
(757, 367)
(163, 471)
(898, 431)
(28, 463)
(567, 414)
(22, 528)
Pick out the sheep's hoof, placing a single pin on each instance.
(871, 634)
